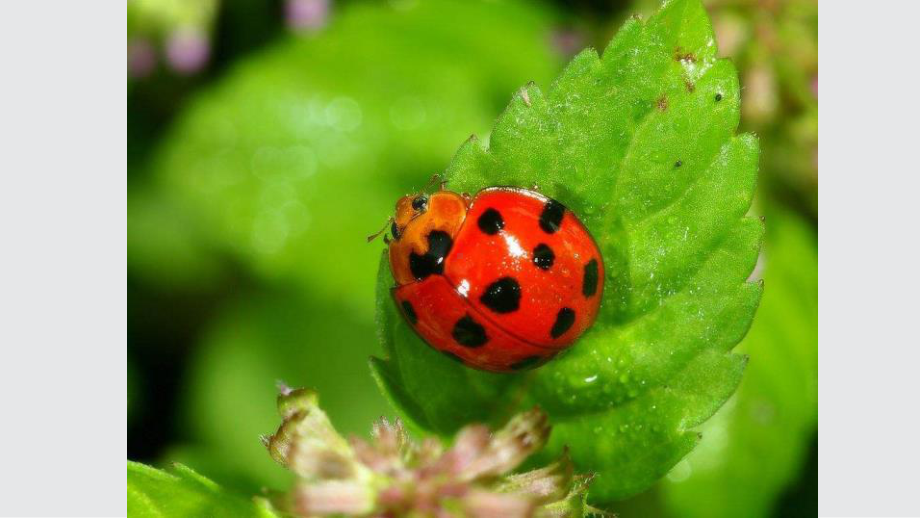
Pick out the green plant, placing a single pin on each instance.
(641, 144)
(155, 493)
(775, 411)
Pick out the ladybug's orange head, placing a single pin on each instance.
(408, 208)
(417, 217)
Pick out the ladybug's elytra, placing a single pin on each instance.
(501, 281)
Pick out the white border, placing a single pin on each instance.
(63, 225)
(869, 374)
(63, 232)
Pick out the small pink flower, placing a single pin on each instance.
(306, 14)
(392, 475)
(567, 41)
(187, 50)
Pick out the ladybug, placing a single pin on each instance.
(501, 281)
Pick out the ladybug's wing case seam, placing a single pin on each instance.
(447, 322)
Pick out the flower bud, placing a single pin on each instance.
(392, 475)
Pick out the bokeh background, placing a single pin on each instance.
(266, 139)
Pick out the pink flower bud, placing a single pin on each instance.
(324, 498)
(187, 50)
(392, 475)
(567, 41)
(306, 14)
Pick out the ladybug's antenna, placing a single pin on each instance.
(381, 231)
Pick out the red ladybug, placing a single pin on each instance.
(502, 281)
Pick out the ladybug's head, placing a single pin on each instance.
(417, 217)
(408, 209)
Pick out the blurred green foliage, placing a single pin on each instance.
(158, 16)
(166, 247)
(300, 340)
(284, 166)
(299, 153)
(253, 184)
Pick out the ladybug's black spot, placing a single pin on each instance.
(468, 333)
(543, 256)
(432, 261)
(502, 296)
(551, 217)
(453, 356)
(409, 311)
(394, 229)
(491, 221)
(589, 281)
(527, 363)
(564, 320)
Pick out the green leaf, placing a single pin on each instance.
(155, 493)
(641, 144)
(755, 446)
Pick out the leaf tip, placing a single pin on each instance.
(528, 94)
(525, 97)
